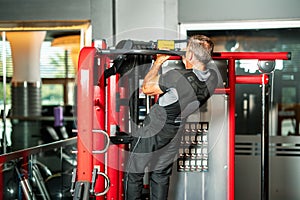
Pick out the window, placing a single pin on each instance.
(56, 62)
(52, 94)
(57, 74)
(284, 80)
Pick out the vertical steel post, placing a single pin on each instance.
(4, 110)
(265, 142)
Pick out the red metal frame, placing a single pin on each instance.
(123, 123)
(90, 116)
(233, 79)
(99, 111)
(112, 123)
(85, 113)
(252, 55)
(115, 158)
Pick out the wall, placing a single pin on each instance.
(44, 10)
(137, 20)
(101, 19)
(134, 15)
(197, 11)
(131, 16)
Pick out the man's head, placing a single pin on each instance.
(199, 49)
(201, 40)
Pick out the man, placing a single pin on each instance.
(182, 91)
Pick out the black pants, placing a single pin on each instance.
(157, 153)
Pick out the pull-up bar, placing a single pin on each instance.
(216, 55)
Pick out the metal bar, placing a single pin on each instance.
(231, 137)
(98, 194)
(252, 79)
(37, 149)
(4, 142)
(138, 52)
(216, 55)
(265, 144)
(123, 122)
(26, 188)
(136, 94)
(222, 91)
(40, 183)
(112, 123)
(252, 55)
(66, 88)
(114, 21)
(85, 103)
(99, 120)
(38, 118)
(4, 109)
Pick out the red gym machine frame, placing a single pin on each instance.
(96, 113)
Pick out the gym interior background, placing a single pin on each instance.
(69, 25)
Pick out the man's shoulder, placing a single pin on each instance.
(174, 76)
(180, 71)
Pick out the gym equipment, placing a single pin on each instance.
(103, 88)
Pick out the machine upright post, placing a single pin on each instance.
(123, 121)
(112, 126)
(265, 142)
(99, 119)
(231, 137)
(85, 91)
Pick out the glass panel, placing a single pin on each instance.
(288, 95)
(52, 94)
(284, 80)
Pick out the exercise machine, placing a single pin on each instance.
(110, 105)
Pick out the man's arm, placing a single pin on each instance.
(151, 80)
